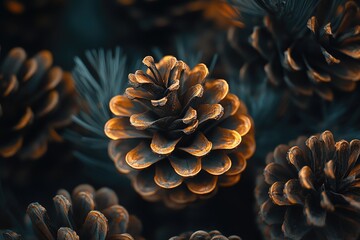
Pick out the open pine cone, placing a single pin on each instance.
(36, 100)
(311, 47)
(203, 235)
(311, 190)
(86, 214)
(178, 134)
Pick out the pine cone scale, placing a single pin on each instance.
(199, 146)
(204, 185)
(219, 167)
(142, 156)
(120, 128)
(166, 177)
(185, 165)
(163, 146)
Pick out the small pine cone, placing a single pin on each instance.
(202, 235)
(152, 15)
(177, 134)
(163, 13)
(30, 23)
(311, 190)
(36, 100)
(10, 235)
(310, 47)
(86, 214)
(218, 11)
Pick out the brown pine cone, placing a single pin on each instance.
(32, 24)
(178, 134)
(86, 214)
(311, 190)
(150, 14)
(202, 235)
(37, 99)
(218, 11)
(10, 235)
(309, 47)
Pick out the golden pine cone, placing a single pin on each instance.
(36, 100)
(177, 134)
(85, 214)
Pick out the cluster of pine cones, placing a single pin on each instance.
(241, 116)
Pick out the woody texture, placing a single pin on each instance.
(311, 190)
(85, 214)
(178, 134)
(308, 47)
(36, 101)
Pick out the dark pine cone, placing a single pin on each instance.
(86, 214)
(178, 134)
(30, 23)
(311, 47)
(36, 100)
(311, 190)
(202, 235)
(150, 14)
(10, 235)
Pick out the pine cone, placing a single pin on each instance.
(309, 47)
(161, 13)
(10, 235)
(86, 214)
(311, 190)
(36, 100)
(31, 24)
(218, 11)
(202, 235)
(161, 21)
(178, 134)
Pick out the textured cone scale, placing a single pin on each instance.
(310, 190)
(85, 214)
(177, 134)
(309, 47)
(203, 235)
(36, 99)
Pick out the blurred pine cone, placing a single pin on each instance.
(36, 100)
(161, 13)
(311, 47)
(160, 21)
(202, 235)
(31, 24)
(86, 214)
(9, 235)
(311, 190)
(178, 134)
